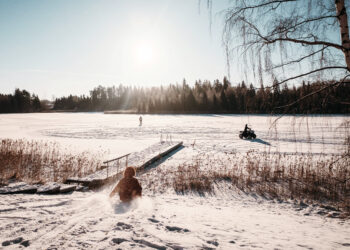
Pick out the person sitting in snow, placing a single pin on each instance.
(129, 187)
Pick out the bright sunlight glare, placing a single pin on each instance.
(144, 53)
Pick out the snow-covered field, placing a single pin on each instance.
(119, 134)
(227, 219)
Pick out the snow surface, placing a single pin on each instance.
(226, 219)
(121, 134)
(93, 221)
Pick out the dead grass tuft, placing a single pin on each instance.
(303, 177)
(40, 162)
(187, 179)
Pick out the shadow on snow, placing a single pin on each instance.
(259, 141)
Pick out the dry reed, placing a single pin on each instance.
(325, 179)
(39, 162)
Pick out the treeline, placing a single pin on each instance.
(203, 97)
(212, 97)
(20, 102)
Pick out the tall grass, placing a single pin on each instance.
(37, 161)
(325, 179)
(191, 178)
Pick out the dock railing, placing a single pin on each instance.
(118, 162)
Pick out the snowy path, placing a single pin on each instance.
(91, 220)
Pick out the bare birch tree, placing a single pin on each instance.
(278, 41)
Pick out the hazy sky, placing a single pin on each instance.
(55, 48)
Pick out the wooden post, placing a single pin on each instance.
(118, 166)
(107, 168)
(126, 161)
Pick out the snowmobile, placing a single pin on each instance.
(249, 134)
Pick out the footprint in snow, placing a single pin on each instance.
(118, 240)
(123, 226)
(16, 241)
(345, 244)
(153, 220)
(149, 244)
(213, 242)
(177, 229)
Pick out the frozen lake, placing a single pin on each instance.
(227, 219)
(119, 134)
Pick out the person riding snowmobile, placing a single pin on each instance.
(245, 132)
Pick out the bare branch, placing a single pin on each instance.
(313, 93)
(304, 42)
(258, 6)
(308, 73)
(301, 23)
(300, 34)
(300, 59)
(268, 40)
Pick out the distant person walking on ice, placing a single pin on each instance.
(140, 119)
(129, 187)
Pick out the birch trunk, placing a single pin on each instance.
(344, 30)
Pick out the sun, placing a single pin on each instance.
(144, 53)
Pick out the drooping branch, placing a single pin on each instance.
(297, 32)
(265, 4)
(313, 93)
(268, 40)
(305, 74)
(309, 20)
(304, 42)
(299, 59)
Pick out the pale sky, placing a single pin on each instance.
(55, 48)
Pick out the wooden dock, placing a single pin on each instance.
(48, 188)
(115, 167)
(110, 173)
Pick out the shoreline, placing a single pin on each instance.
(129, 112)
